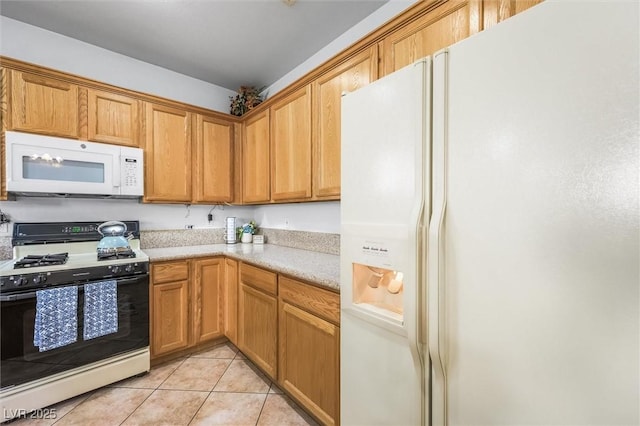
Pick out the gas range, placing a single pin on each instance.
(75, 324)
(75, 243)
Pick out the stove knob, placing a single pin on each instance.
(115, 269)
(39, 279)
(128, 268)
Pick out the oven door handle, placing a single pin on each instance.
(32, 294)
(128, 280)
(13, 297)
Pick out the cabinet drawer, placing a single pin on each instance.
(169, 271)
(322, 303)
(261, 279)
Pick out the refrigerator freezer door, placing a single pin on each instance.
(384, 182)
(539, 238)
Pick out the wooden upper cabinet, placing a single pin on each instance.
(291, 146)
(255, 159)
(328, 89)
(167, 154)
(43, 105)
(213, 162)
(113, 118)
(443, 26)
(496, 11)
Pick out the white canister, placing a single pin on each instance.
(230, 231)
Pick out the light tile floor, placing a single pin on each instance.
(217, 386)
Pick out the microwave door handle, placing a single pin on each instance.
(117, 160)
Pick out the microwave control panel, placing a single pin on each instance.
(130, 171)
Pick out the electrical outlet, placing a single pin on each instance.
(286, 223)
(188, 227)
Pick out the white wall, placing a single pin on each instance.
(36, 45)
(151, 216)
(313, 217)
(42, 47)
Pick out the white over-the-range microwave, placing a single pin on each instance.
(39, 165)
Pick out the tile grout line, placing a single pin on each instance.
(152, 392)
(214, 386)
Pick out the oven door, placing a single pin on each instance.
(22, 362)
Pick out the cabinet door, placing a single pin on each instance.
(113, 118)
(170, 327)
(309, 361)
(213, 163)
(255, 159)
(231, 301)
(437, 29)
(291, 147)
(495, 11)
(167, 154)
(206, 306)
(357, 72)
(43, 105)
(257, 328)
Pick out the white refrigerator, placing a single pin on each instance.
(490, 228)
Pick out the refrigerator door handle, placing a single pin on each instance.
(436, 256)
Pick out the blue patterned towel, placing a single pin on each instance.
(100, 309)
(56, 318)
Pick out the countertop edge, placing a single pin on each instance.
(281, 266)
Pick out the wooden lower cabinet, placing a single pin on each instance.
(231, 300)
(309, 347)
(186, 303)
(290, 329)
(207, 291)
(169, 307)
(258, 318)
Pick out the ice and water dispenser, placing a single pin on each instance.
(377, 287)
(378, 290)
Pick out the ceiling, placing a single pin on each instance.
(225, 42)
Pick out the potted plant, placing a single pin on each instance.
(246, 231)
(247, 98)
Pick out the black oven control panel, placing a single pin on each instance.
(24, 281)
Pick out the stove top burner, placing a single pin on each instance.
(116, 254)
(32, 260)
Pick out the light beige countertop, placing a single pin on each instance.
(320, 268)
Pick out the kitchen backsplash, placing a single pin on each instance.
(314, 241)
(6, 251)
(180, 237)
